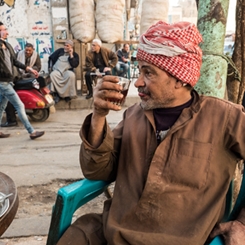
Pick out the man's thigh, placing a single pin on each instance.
(6, 90)
(88, 229)
(9, 93)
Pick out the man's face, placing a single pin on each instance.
(95, 47)
(156, 87)
(28, 51)
(67, 48)
(3, 32)
(126, 48)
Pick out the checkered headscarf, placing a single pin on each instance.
(173, 48)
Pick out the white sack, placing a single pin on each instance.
(82, 19)
(109, 20)
(152, 12)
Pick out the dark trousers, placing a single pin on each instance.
(89, 80)
(10, 113)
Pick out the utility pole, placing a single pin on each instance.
(212, 17)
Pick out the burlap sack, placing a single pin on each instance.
(109, 20)
(82, 19)
(153, 11)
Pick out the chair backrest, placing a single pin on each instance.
(69, 199)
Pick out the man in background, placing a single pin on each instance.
(61, 65)
(123, 59)
(30, 58)
(7, 62)
(98, 58)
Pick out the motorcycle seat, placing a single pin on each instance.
(24, 84)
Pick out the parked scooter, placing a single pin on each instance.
(36, 96)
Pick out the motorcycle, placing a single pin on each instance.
(36, 97)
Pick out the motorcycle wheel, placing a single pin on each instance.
(39, 115)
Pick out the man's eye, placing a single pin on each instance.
(147, 73)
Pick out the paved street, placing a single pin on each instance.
(43, 165)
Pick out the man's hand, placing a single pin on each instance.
(29, 69)
(106, 90)
(233, 232)
(71, 52)
(124, 59)
(106, 69)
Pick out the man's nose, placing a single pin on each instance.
(140, 81)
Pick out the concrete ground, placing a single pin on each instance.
(40, 167)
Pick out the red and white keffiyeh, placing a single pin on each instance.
(173, 48)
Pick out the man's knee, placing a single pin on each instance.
(88, 229)
(118, 67)
(88, 76)
(71, 74)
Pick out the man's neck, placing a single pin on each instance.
(97, 51)
(3, 43)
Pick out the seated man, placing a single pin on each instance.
(98, 58)
(61, 65)
(123, 59)
(172, 156)
(31, 58)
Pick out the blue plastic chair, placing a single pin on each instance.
(71, 197)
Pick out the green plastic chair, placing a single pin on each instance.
(73, 196)
(68, 200)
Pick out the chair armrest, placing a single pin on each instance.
(69, 199)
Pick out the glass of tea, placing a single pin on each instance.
(124, 82)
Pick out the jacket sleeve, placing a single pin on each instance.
(53, 57)
(235, 140)
(89, 62)
(241, 216)
(37, 66)
(19, 64)
(119, 54)
(113, 59)
(99, 163)
(74, 62)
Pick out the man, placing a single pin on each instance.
(123, 59)
(61, 65)
(98, 58)
(7, 93)
(30, 58)
(172, 156)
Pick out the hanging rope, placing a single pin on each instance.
(230, 62)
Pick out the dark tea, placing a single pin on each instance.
(121, 101)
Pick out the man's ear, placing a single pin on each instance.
(178, 84)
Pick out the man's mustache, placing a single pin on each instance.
(143, 90)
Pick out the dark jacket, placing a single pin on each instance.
(74, 62)
(109, 57)
(122, 53)
(5, 74)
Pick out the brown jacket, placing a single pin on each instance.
(109, 57)
(173, 193)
